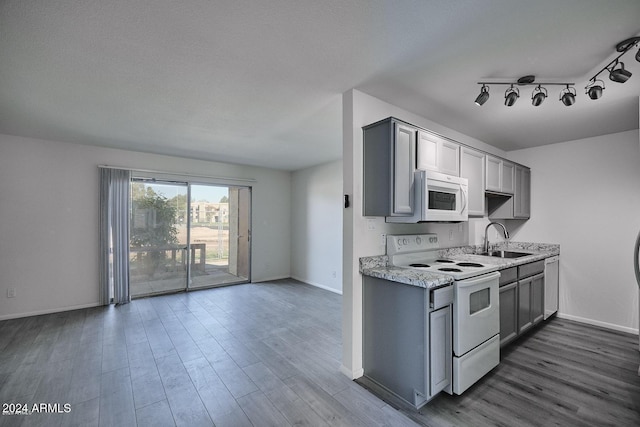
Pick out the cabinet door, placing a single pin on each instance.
(494, 171)
(537, 299)
(472, 167)
(449, 160)
(522, 196)
(440, 350)
(508, 313)
(524, 305)
(403, 161)
(438, 154)
(525, 193)
(428, 151)
(508, 177)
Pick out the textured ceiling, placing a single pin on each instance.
(260, 83)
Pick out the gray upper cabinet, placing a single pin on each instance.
(472, 167)
(438, 154)
(389, 165)
(522, 195)
(519, 205)
(499, 175)
(393, 150)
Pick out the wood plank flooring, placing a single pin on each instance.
(268, 354)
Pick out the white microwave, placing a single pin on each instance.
(438, 197)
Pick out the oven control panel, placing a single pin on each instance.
(405, 243)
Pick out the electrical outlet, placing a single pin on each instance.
(383, 239)
(11, 293)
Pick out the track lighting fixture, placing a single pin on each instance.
(568, 96)
(484, 95)
(619, 75)
(511, 96)
(513, 93)
(615, 68)
(595, 88)
(538, 96)
(617, 72)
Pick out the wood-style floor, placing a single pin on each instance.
(268, 354)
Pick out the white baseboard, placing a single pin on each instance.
(352, 374)
(47, 311)
(598, 323)
(318, 285)
(269, 279)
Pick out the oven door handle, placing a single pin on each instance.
(468, 283)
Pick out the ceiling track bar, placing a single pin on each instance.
(526, 84)
(180, 174)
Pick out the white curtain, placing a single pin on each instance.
(114, 235)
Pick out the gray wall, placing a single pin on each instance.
(316, 221)
(49, 219)
(585, 196)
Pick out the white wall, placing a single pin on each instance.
(586, 197)
(49, 219)
(316, 220)
(362, 235)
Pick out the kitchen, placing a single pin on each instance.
(553, 194)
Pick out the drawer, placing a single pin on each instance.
(508, 275)
(530, 269)
(441, 297)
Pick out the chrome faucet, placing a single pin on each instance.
(486, 234)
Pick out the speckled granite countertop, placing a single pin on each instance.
(378, 266)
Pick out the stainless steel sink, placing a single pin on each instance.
(505, 254)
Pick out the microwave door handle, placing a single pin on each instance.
(464, 197)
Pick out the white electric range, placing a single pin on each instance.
(476, 313)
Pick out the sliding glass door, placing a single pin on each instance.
(158, 237)
(220, 234)
(187, 236)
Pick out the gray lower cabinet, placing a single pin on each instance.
(521, 300)
(407, 339)
(440, 350)
(537, 299)
(524, 305)
(508, 313)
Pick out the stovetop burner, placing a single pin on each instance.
(469, 264)
(422, 253)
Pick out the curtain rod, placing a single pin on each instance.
(181, 174)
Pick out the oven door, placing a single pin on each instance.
(476, 314)
(445, 197)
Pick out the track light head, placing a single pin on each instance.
(511, 96)
(568, 96)
(538, 96)
(484, 95)
(619, 75)
(594, 90)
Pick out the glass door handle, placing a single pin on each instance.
(636, 253)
